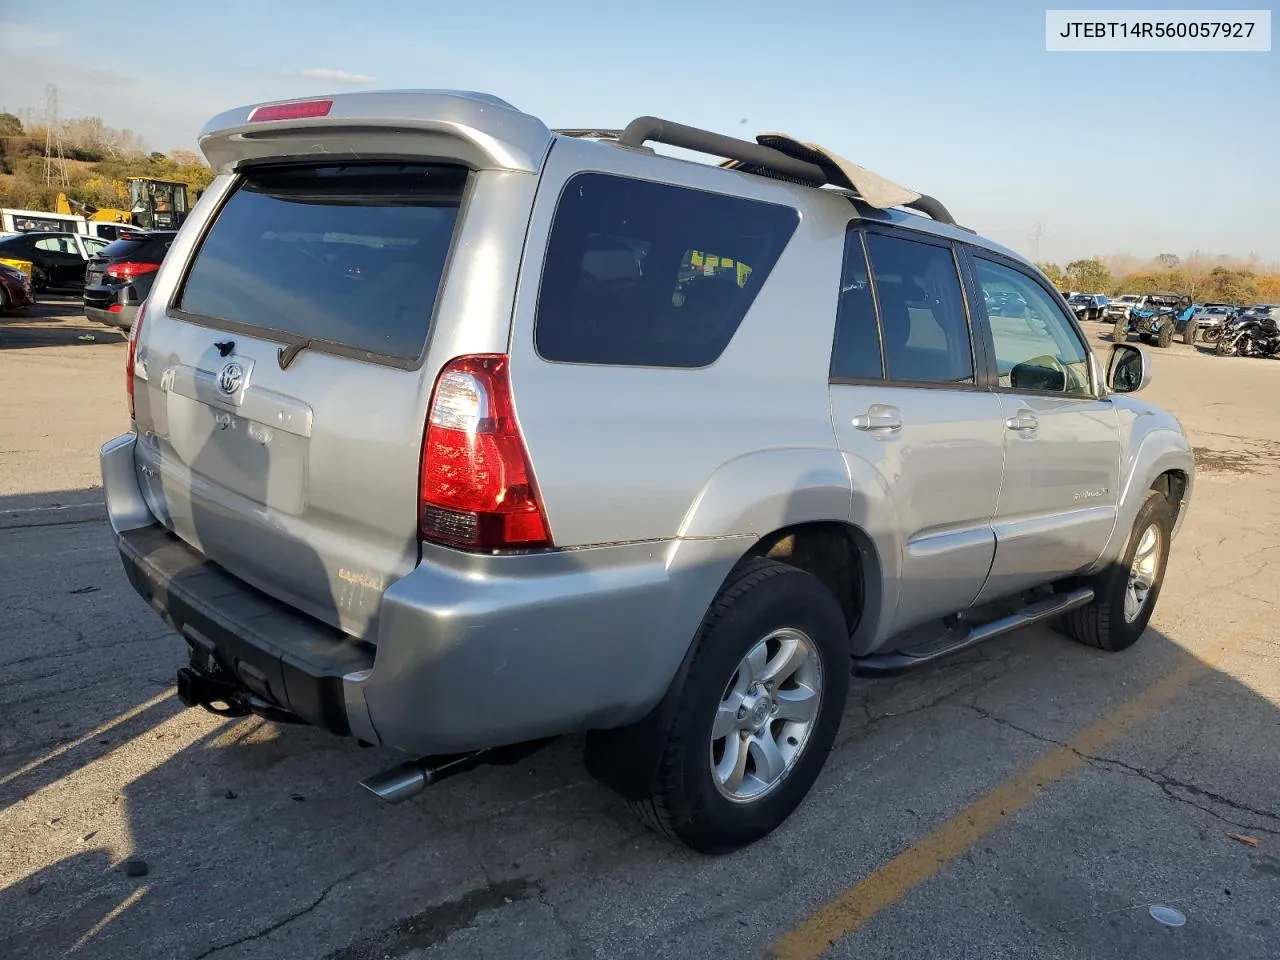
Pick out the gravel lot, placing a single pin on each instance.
(1029, 798)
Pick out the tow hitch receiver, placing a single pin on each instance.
(408, 779)
(197, 689)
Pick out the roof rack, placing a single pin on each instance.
(810, 168)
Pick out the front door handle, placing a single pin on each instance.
(1024, 421)
(879, 416)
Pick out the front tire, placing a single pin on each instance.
(1125, 593)
(1120, 332)
(758, 712)
(1189, 333)
(1164, 338)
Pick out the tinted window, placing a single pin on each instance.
(648, 274)
(1036, 345)
(153, 246)
(857, 349)
(350, 254)
(926, 337)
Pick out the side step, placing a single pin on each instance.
(964, 636)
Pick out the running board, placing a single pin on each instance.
(898, 661)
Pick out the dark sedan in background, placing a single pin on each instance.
(58, 259)
(120, 276)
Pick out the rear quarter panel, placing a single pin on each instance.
(639, 453)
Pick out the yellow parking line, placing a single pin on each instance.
(896, 878)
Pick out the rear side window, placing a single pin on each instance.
(648, 274)
(926, 335)
(350, 255)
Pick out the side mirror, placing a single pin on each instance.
(1129, 370)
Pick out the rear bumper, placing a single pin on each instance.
(123, 318)
(471, 651)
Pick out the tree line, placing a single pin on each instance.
(99, 159)
(1203, 277)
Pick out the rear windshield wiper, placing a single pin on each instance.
(290, 353)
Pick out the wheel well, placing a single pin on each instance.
(1173, 484)
(837, 554)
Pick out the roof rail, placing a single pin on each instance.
(759, 158)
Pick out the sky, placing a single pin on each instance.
(1138, 153)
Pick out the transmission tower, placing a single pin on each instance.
(1036, 229)
(55, 163)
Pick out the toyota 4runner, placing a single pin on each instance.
(454, 434)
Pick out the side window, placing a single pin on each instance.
(926, 336)
(647, 274)
(1036, 345)
(54, 245)
(856, 354)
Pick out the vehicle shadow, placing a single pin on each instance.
(54, 323)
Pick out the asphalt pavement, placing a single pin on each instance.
(1028, 798)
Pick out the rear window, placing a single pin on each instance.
(138, 245)
(648, 274)
(350, 255)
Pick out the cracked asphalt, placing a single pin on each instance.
(1129, 772)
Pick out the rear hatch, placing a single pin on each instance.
(282, 412)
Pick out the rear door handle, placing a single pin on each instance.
(880, 416)
(1024, 421)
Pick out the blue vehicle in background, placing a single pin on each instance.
(1155, 318)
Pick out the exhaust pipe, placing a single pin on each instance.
(409, 779)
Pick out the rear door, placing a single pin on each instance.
(282, 410)
(906, 400)
(1062, 440)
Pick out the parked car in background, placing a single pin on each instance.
(1087, 306)
(1120, 306)
(15, 289)
(119, 276)
(58, 259)
(1207, 321)
(326, 491)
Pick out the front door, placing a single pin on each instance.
(1062, 441)
(910, 418)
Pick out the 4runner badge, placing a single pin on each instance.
(230, 377)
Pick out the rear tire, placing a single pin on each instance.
(1125, 593)
(1189, 333)
(1164, 338)
(1120, 332)
(703, 797)
(4, 301)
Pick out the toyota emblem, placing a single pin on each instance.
(230, 377)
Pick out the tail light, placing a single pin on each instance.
(131, 356)
(127, 270)
(477, 489)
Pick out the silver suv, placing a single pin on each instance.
(455, 434)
